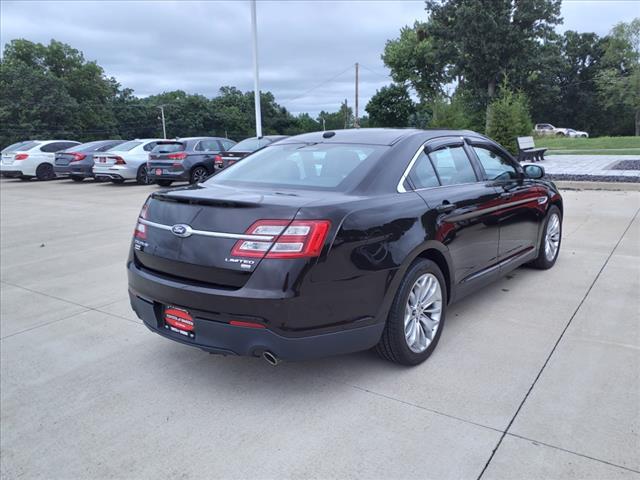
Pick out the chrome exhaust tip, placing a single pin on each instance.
(270, 358)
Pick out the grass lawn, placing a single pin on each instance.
(591, 146)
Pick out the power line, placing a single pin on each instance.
(318, 86)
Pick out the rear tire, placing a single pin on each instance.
(407, 315)
(45, 172)
(164, 183)
(77, 179)
(142, 178)
(551, 239)
(198, 174)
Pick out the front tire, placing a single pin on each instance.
(551, 240)
(416, 317)
(45, 172)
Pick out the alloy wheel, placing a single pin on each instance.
(552, 237)
(198, 175)
(423, 312)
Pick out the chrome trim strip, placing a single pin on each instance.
(206, 233)
(407, 170)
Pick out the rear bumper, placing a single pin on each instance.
(11, 173)
(168, 173)
(117, 172)
(84, 171)
(213, 333)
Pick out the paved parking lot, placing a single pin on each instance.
(551, 358)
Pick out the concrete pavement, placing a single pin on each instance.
(536, 376)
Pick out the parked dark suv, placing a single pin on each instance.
(186, 159)
(334, 242)
(77, 162)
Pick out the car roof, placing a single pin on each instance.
(181, 139)
(373, 136)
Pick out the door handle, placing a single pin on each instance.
(446, 207)
(506, 196)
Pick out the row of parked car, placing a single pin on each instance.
(146, 161)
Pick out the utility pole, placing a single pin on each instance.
(346, 114)
(356, 122)
(256, 86)
(164, 126)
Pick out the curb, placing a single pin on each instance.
(612, 186)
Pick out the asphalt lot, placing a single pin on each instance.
(552, 358)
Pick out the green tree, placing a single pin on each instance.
(508, 118)
(391, 106)
(619, 82)
(343, 118)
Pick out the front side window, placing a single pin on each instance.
(334, 167)
(453, 166)
(497, 167)
(423, 175)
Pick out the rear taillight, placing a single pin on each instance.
(141, 229)
(297, 239)
(217, 161)
(119, 161)
(78, 156)
(21, 156)
(177, 156)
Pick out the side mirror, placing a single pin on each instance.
(533, 171)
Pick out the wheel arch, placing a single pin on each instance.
(437, 257)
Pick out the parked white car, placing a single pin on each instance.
(548, 129)
(127, 161)
(34, 158)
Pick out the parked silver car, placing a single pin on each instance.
(127, 161)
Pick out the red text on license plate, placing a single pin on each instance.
(179, 321)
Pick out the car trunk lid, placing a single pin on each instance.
(190, 233)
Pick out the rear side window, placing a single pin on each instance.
(453, 166)
(227, 144)
(423, 175)
(56, 146)
(333, 167)
(209, 146)
(495, 166)
(150, 146)
(167, 147)
(125, 147)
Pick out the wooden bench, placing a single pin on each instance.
(527, 150)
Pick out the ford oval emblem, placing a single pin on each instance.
(181, 230)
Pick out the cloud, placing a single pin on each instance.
(200, 46)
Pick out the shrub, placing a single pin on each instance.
(508, 117)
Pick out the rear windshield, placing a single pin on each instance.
(85, 147)
(250, 145)
(169, 147)
(22, 146)
(13, 147)
(125, 147)
(335, 167)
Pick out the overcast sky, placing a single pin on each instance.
(306, 48)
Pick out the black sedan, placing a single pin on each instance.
(334, 242)
(244, 148)
(77, 162)
(186, 159)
